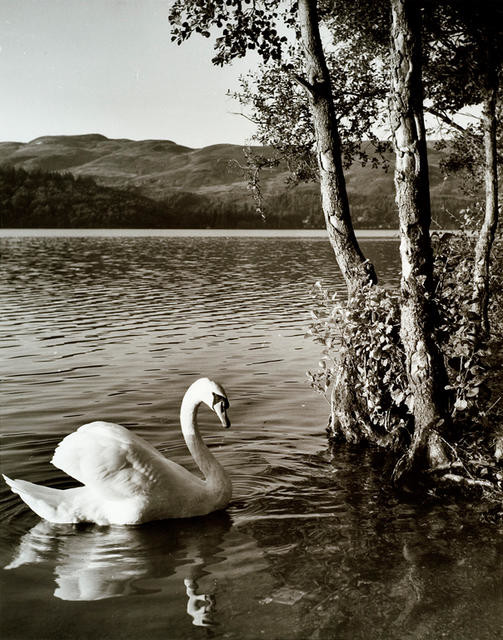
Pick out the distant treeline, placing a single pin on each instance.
(51, 199)
(42, 199)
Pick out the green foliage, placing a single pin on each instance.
(467, 361)
(360, 337)
(278, 105)
(242, 25)
(496, 291)
(463, 155)
(463, 49)
(453, 269)
(361, 341)
(275, 97)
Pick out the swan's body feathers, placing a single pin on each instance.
(59, 505)
(116, 462)
(126, 480)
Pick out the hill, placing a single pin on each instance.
(161, 171)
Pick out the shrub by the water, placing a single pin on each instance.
(362, 347)
(361, 342)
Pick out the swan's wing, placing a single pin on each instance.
(114, 461)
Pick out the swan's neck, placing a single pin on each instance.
(213, 472)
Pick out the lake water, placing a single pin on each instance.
(115, 326)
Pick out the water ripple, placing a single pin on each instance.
(116, 329)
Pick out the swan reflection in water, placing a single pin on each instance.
(94, 563)
(199, 607)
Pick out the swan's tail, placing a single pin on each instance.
(46, 502)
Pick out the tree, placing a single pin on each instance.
(388, 386)
(245, 26)
(490, 223)
(463, 67)
(255, 27)
(423, 362)
(356, 270)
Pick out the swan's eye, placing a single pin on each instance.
(218, 398)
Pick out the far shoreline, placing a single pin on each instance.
(391, 234)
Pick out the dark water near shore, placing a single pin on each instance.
(116, 327)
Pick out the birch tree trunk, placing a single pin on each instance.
(490, 223)
(423, 362)
(355, 269)
(346, 409)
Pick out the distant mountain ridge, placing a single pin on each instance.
(160, 169)
(156, 167)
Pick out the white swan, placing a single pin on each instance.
(126, 480)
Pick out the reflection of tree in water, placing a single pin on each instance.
(94, 563)
(377, 566)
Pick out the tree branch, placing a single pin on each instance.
(239, 113)
(449, 121)
(303, 82)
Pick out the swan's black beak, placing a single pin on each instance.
(222, 414)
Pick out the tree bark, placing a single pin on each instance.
(346, 412)
(424, 365)
(488, 230)
(355, 269)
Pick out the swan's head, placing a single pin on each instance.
(213, 394)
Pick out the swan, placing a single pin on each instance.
(126, 481)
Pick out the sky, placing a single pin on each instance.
(108, 66)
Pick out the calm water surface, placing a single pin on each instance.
(116, 327)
